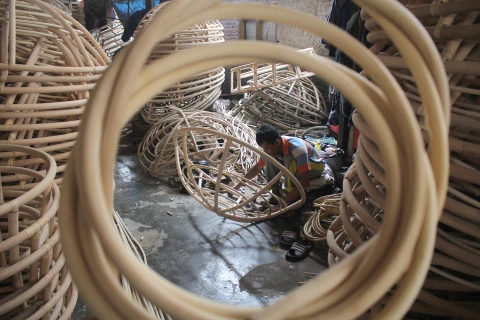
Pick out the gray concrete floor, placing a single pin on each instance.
(226, 261)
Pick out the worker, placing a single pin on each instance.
(297, 155)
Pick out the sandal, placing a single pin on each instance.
(289, 237)
(299, 250)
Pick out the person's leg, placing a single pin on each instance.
(317, 170)
(271, 172)
(291, 165)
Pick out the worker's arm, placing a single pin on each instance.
(304, 180)
(253, 172)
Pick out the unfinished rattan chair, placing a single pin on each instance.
(452, 286)
(294, 105)
(35, 282)
(203, 157)
(48, 66)
(156, 151)
(199, 91)
(254, 76)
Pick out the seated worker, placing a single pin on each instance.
(297, 155)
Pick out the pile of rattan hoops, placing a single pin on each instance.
(35, 282)
(156, 152)
(200, 90)
(454, 272)
(49, 64)
(400, 252)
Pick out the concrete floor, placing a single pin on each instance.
(226, 261)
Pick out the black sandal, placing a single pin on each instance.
(299, 250)
(289, 237)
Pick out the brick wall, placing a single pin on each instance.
(282, 33)
(232, 27)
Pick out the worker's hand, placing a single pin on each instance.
(274, 208)
(237, 187)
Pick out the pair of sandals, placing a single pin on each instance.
(299, 248)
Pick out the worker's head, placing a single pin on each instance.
(269, 139)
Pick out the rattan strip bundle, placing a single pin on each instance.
(109, 37)
(454, 271)
(288, 106)
(156, 152)
(315, 228)
(199, 91)
(211, 182)
(399, 254)
(134, 246)
(34, 279)
(48, 65)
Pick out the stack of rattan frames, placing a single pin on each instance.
(454, 272)
(48, 65)
(34, 277)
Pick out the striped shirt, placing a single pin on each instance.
(301, 150)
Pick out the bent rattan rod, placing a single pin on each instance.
(416, 165)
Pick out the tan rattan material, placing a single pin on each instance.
(156, 151)
(399, 255)
(49, 63)
(291, 105)
(315, 229)
(109, 37)
(204, 158)
(454, 271)
(35, 282)
(251, 77)
(76, 9)
(199, 91)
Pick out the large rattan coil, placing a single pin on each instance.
(49, 64)
(452, 286)
(198, 91)
(156, 152)
(327, 209)
(34, 279)
(399, 255)
(291, 105)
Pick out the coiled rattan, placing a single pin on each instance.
(454, 274)
(35, 282)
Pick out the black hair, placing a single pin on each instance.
(267, 134)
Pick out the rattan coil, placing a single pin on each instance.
(454, 270)
(416, 180)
